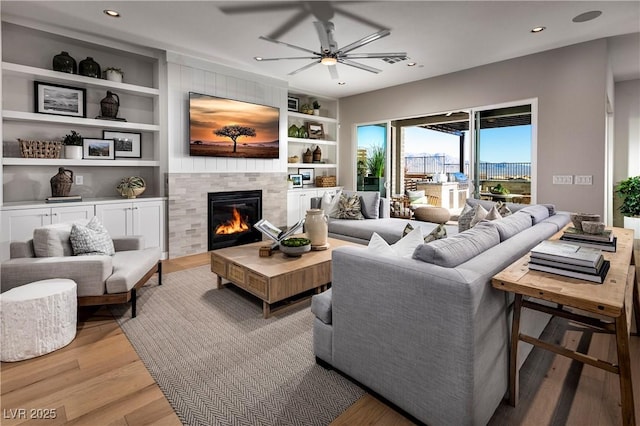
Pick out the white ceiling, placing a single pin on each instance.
(442, 37)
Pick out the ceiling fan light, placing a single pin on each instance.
(257, 58)
(111, 13)
(328, 60)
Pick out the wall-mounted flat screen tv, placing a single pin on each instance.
(221, 127)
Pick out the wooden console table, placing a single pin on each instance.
(612, 300)
(275, 278)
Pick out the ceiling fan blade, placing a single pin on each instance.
(333, 71)
(305, 67)
(359, 65)
(280, 59)
(289, 24)
(325, 34)
(288, 45)
(365, 40)
(260, 7)
(374, 55)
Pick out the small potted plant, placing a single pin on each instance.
(113, 74)
(131, 187)
(629, 190)
(73, 146)
(306, 109)
(316, 107)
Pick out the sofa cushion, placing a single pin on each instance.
(512, 224)
(488, 204)
(538, 212)
(52, 240)
(330, 203)
(321, 306)
(91, 239)
(438, 233)
(349, 207)
(459, 248)
(369, 203)
(129, 267)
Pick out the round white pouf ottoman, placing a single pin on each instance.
(37, 318)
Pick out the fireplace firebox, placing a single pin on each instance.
(232, 216)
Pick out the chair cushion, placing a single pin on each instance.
(129, 267)
(457, 249)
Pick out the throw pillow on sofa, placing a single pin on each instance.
(349, 207)
(437, 233)
(403, 248)
(330, 204)
(91, 239)
(369, 203)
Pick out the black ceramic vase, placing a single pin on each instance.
(65, 63)
(90, 68)
(109, 106)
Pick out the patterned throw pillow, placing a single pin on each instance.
(438, 233)
(493, 214)
(91, 239)
(479, 213)
(503, 209)
(349, 207)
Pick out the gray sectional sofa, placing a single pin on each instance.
(432, 336)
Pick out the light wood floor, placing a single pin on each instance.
(99, 380)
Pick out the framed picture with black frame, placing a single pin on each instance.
(98, 149)
(293, 103)
(307, 176)
(57, 99)
(296, 179)
(126, 144)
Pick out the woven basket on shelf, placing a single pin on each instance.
(40, 149)
(325, 181)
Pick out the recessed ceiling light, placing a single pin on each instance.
(412, 64)
(587, 16)
(342, 83)
(111, 13)
(538, 29)
(257, 58)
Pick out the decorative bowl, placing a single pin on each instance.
(578, 218)
(131, 187)
(592, 227)
(295, 247)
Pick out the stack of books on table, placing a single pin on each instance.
(569, 260)
(604, 241)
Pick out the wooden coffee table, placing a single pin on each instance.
(276, 278)
(614, 300)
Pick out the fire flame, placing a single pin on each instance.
(233, 226)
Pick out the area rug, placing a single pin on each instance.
(220, 363)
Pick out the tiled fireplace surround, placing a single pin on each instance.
(187, 216)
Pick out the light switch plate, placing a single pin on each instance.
(584, 180)
(562, 179)
(79, 180)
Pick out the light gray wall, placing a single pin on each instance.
(570, 85)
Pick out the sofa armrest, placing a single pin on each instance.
(385, 208)
(20, 249)
(89, 272)
(133, 242)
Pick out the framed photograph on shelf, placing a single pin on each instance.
(126, 144)
(98, 149)
(293, 103)
(315, 130)
(307, 176)
(56, 99)
(297, 180)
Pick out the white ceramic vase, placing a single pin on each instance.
(316, 228)
(73, 152)
(113, 76)
(633, 223)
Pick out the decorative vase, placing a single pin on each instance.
(113, 75)
(61, 183)
(316, 112)
(302, 132)
(73, 152)
(317, 154)
(65, 63)
(109, 106)
(316, 228)
(307, 156)
(90, 68)
(293, 131)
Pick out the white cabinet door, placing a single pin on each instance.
(298, 202)
(18, 225)
(117, 218)
(148, 221)
(71, 213)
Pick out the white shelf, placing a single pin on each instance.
(77, 121)
(310, 117)
(312, 141)
(77, 80)
(312, 165)
(11, 161)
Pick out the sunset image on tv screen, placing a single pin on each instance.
(227, 128)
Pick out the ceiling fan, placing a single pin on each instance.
(330, 54)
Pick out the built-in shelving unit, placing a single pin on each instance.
(11, 161)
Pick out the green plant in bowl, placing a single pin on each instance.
(295, 242)
(295, 247)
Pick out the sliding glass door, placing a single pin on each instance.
(372, 159)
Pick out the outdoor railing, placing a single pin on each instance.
(486, 171)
